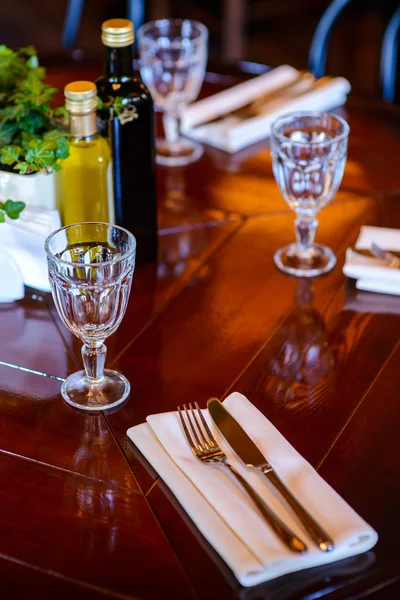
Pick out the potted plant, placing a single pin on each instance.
(32, 134)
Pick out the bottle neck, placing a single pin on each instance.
(82, 126)
(119, 61)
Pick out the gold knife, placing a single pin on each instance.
(248, 452)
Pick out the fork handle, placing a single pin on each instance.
(317, 533)
(282, 531)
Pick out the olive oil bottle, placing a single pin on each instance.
(84, 172)
(129, 117)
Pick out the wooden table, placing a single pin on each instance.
(82, 514)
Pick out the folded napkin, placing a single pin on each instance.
(23, 240)
(232, 133)
(373, 274)
(226, 516)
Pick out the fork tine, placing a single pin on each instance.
(206, 427)
(192, 445)
(385, 255)
(206, 443)
(377, 250)
(194, 432)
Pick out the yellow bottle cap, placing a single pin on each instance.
(117, 33)
(80, 97)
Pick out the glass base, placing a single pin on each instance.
(179, 154)
(109, 391)
(316, 261)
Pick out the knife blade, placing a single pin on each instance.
(252, 457)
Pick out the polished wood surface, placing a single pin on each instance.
(81, 511)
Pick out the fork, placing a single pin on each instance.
(388, 257)
(204, 446)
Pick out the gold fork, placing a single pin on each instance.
(204, 446)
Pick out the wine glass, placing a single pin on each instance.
(173, 57)
(308, 155)
(90, 271)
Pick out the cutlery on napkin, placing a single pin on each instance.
(216, 120)
(23, 239)
(374, 274)
(227, 517)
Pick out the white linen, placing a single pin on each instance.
(373, 274)
(231, 134)
(227, 517)
(24, 238)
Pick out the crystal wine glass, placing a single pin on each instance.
(90, 271)
(308, 156)
(173, 57)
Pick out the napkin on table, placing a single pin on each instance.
(231, 134)
(24, 238)
(373, 274)
(227, 517)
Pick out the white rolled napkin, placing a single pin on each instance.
(373, 274)
(227, 517)
(232, 134)
(23, 239)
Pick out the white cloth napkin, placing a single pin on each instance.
(372, 274)
(231, 134)
(227, 517)
(23, 239)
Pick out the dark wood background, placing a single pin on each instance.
(267, 31)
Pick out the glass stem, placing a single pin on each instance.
(171, 122)
(94, 359)
(305, 228)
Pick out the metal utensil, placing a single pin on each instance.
(203, 445)
(391, 260)
(248, 452)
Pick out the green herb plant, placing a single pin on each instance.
(32, 134)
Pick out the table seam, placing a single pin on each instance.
(350, 417)
(180, 289)
(61, 576)
(69, 471)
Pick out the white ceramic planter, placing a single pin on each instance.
(22, 255)
(40, 190)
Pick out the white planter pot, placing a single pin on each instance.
(40, 189)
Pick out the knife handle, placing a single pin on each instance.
(282, 530)
(317, 533)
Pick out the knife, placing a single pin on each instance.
(248, 452)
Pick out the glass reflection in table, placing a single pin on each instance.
(308, 155)
(90, 271)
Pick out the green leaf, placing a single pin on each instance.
(28, 50)
(41, 152)
(10, 154)
(2, 216)
(7, 131)
(5, 51)
(60, 111)
(56, 167)
(27, 138)
(60, 143)
(33, 62)
(13, 209)
(21, 167)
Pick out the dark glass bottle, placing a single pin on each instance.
(132, 141)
